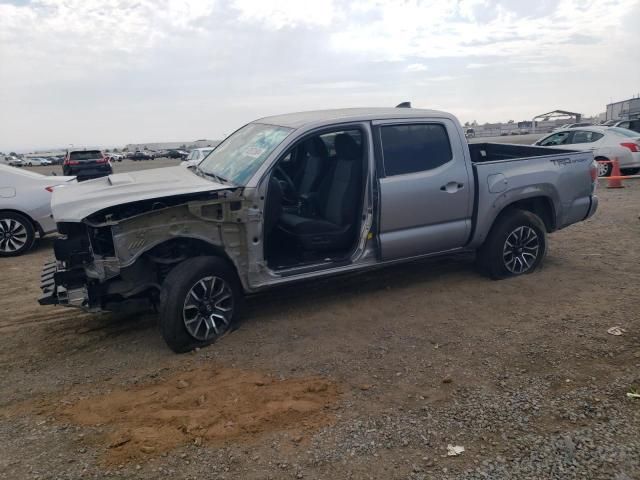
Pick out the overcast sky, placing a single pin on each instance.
(109, 72)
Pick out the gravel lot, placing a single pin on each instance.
(364, 376)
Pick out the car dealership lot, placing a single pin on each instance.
(365, 376)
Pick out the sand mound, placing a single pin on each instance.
(200, 406)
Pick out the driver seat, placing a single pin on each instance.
(335, 206)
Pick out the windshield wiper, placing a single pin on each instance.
(213, 175)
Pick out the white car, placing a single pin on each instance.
(606, 143)
(196, 156)
(25, 208)
(36, 161)
(11, 161)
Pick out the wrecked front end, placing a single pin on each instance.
(120, 255)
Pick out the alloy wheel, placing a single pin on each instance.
(208, 308)
(13, 235)
(521, 250)
(603, 169)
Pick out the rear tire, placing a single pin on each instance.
(515, 246)
(17, 234)
(200, 300)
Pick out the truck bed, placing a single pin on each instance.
(507, 173)
(492, 152)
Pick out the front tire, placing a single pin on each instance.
(199, 302)
(515, 246)
(17, 234)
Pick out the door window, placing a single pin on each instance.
(414, 148)
(560, 138)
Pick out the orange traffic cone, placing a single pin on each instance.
(614, 179)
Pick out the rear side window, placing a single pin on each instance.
(86, 155)
(582, 136)
(414, 148)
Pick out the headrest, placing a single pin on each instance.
(316, 147)
(346, 147)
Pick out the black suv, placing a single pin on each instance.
(86, 164)
(177, 154)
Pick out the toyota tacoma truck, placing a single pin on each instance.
(303, 196)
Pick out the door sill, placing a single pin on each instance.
(291, 271)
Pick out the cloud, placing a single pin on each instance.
(416, 67)
(281, 14)
(117, 71)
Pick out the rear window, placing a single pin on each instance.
(86, 155)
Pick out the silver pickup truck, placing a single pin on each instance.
(302, 196)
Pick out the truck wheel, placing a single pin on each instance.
(17, 234)
(516, 245)
(199, 301)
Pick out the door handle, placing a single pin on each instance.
(452, 187)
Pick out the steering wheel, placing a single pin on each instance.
(289, 192)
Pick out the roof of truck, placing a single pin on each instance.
(300, 119)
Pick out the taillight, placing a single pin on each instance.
(49, 189)
(102, 160)
(634, 147)
(68, 161)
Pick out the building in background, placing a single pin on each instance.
(624, 110)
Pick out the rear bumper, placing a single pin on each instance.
(84, 173)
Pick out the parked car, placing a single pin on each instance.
(470, 133)
(302, 196)
(12, 161)
(177, 154)
(86, 164)
(141, 155)
(606, 143)
(629, 124)
(36, 161)
(608, 123)
(25, 208)
(196, 156)
(114, 157)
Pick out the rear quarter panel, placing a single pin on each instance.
(565, 180)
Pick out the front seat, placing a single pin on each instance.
(316, 157)
(336, 204)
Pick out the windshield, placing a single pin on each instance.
(624, 132)
(238, 157)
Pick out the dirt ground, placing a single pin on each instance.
(364, 376)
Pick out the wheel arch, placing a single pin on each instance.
(540, 205)
(36, 225)
(537, 203)
(172, 252)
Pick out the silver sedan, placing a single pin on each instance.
(25, 208)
